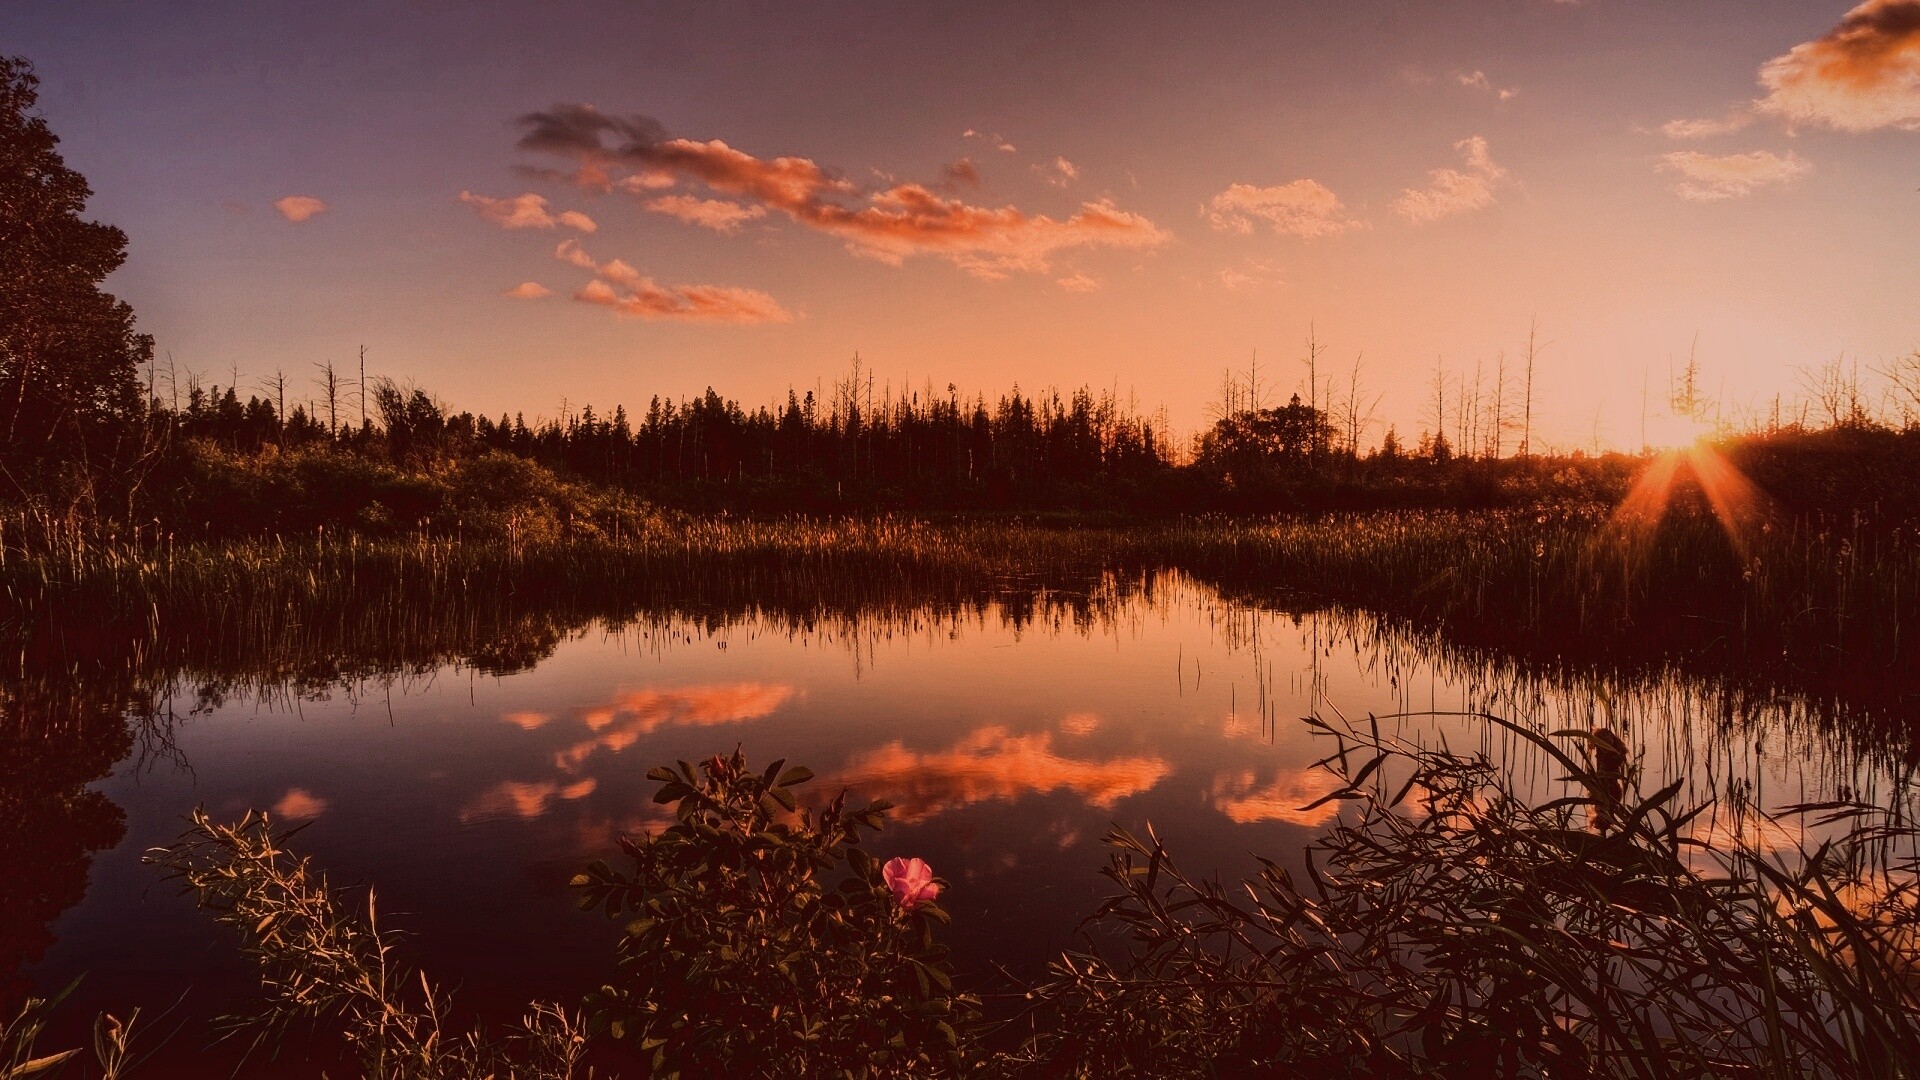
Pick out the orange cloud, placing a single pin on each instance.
(525, 801)
(1709, 178)
(1452, 191)
(888, 224)
(629, 292)
(528, 290)
(993, 763)
(529, 211)
(1302, 208)
(298, 208)
(1245, 801)
(621, 722)
(716, 214)
(1863, 75)
(300, 803)
(1079, 283)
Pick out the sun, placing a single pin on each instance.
(1737, 502)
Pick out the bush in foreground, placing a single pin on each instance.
(1450, 922)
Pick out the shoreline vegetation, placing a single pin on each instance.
(1783, 606)
(1448, 921)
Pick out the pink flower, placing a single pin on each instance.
(911, 881)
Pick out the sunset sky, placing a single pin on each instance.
(520, 204)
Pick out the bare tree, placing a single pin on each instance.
(330, 385)
(1834, 388)
(1352, 416)
(1534, 349)
(1903, 387)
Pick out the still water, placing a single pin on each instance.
(1011, 734)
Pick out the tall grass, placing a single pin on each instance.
(1801, 607)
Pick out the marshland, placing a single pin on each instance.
(1549, 707)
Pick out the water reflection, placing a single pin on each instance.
(490, 756)
(994, 763)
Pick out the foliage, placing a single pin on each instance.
(69, 356)
(763, 941)
(322, 962)
(1450, 922)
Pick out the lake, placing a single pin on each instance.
(1011, 731)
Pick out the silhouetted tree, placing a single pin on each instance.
(69, 357)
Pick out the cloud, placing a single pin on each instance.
(1254, 275)
(529, 211)
(959, 174)
(1059, 172)
(1702, 129)
(888, 224)
(1710, 178)
(1302, 208)
(1079, 283)
(1452, 191)
(619, 286)
(994, 141)
(527, 290)
(300, 803)
(298, 208)
(1863, 75)
(1478, 80)
(993, 763)
(716, 214)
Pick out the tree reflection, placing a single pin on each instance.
(55, 739)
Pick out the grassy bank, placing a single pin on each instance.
(1799, 607)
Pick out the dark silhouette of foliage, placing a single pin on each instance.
(70, 401)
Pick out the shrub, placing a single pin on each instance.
(764, 941)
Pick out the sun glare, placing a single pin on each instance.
(1737, 503)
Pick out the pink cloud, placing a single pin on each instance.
(1059, 172)
(1478, 81)
(1079, 283)
(1454, 191)
(528, 290)
(529, 211)
(619, 286)
(1304, 208)
(994, 141)
(888, 224)
(719, 215)
(1710, 178)
(298, 208)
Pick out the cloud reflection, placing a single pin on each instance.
(621, 722)
(993, 763)
(1245, 801)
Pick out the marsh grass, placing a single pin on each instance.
(1453, 918)
(1801, 607)
(324, 962)
(1447, 923)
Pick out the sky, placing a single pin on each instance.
(531, 207)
